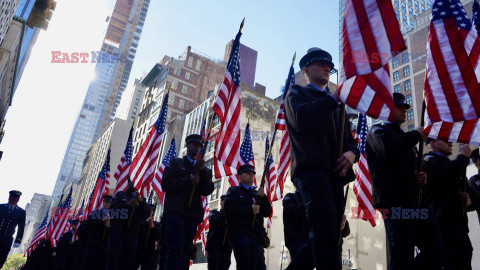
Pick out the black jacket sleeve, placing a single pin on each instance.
(293, 209)
(21, 228)
(303, 113)
(172, 182)
(386, 142)
(234, 208)
(205, 183)
(265, 207)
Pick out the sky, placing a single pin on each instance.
(49, 95)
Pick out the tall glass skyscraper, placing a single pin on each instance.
(112, 71)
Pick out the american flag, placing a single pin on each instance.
(39, 235)
(157, 182)
(124, 165)
(270, 180)
(63, 225)
(143, 165)
(150, 198)
(452, 92)
(246, 155)
(370, 40)
(204, 226)
(284, 160)
(102, 185)
(80, 211)
(363, 183)
(54, 219)
(87, 211)
(227, 107)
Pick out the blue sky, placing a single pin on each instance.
(50, 95)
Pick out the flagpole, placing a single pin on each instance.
(151, 215)
(420, 151)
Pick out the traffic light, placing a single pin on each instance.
(41, 13)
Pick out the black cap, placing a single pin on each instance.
(246, 168)
(399, 99)
(316, 55)
(195, 138)
(428, 140)
(474, 156)
(74, 221)
(107, 198)
(222, 197)
(15, 193)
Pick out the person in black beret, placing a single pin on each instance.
(246, 237)
(219, 249)
(312, 115)
(446, 199)
(392, 162)
(474, 181)
(181, 176)
(11, 216)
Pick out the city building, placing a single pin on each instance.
(248, 64)
(112, 70)
(35, 213)
(7, 10)
(131, 101)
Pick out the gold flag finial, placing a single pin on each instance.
(241, 25)
(175, 132)
(249, 115)
(169, 86)
(294, 57)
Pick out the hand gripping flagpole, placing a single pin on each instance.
(266, 167)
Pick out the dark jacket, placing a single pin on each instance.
(312, 119)
(66, 251)
(216, 232)
(123, 212)
(177, 186)
(147, 245)
(94, 229)
(9, 220)
(295, 226)
(474, 184)
(238, 207)
(392, 161)
(445, 180)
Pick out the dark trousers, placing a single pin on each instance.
(219, 258)
(403, 234)
(246, 252)
(294, 247)
(96, 257)
(121, 247)
(179, 233)
(146, 260)
(458, 246)
(323, 198)
(4, 249)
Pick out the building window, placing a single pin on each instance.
(397, 13)
(171, 100)
(396, 4)
(411, 127)
(395, 63)
(137, 101)
(134, 111)
(409, 2)
(184, 89)
(181, 104)
(187, 75)
(177, 71)
(410, 114)
(408, 85)
(404, 7)
(190, 61)
(404, 20)
(396, 76)
(406, 71)
(408, 99)
(397, 88)
(198, 64)
(169, 114)
(405, 58)
(174, 84)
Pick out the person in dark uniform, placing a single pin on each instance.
(219, 249)
(295, 226)
(147, 255)
(67, 248)
(446, 200)
(474, 182)
(127, 212)
(241, 211)
(96, 230)
(181, 176)
(395, 180)
(46, 255)
(312, 116)
(11, 216)
(82, 234)
(162, 247)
